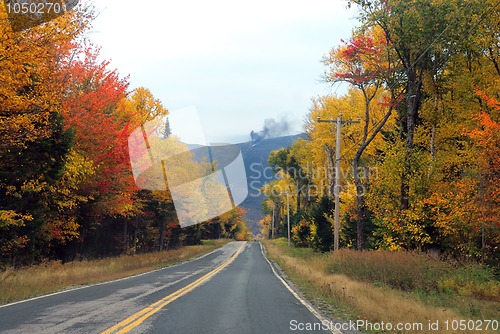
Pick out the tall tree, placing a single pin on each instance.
(365, 62)
(33, 141)
(424, 35)
(91, 110)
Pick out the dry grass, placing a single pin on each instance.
(410, 271)
(374, 301)
(53, 276)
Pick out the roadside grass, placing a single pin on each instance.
(392, 287)
(19, 284)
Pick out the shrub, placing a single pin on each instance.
(411, 271)
(303, 234)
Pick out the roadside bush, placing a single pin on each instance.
(303, 234)
(411, 271)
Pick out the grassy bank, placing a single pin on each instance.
(53, 276)
(391, 287)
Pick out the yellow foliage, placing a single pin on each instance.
(265, 223)
(31, 62)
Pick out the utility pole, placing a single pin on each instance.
(288, 216)
(336, 189)
(272, 226)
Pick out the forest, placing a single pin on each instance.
(419, 167)
(66, 185)
(420, 159)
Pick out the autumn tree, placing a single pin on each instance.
(139, 107)
(487, 138)
(280, 192)
(90, 109)
(365, 62)
(466, 209)
(266, 226)
(35, 144)
(424, 35)
(287, 160)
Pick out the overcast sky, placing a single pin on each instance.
(236, 62)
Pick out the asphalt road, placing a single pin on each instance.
(231, 290)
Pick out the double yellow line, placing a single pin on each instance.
(138, 318)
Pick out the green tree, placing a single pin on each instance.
(321, 217)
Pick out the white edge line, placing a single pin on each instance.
(300, 299)
(107, 282)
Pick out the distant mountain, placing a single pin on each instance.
(255, 156)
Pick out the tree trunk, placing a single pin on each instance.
(413, 96)
(360, 207)
(125, 235)
(135, 239)
(433, 148)
(367, 178)
(298, 195)
(360, 191)
(162, 234)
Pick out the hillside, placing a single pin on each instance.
(255, 157)
(255, 154)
